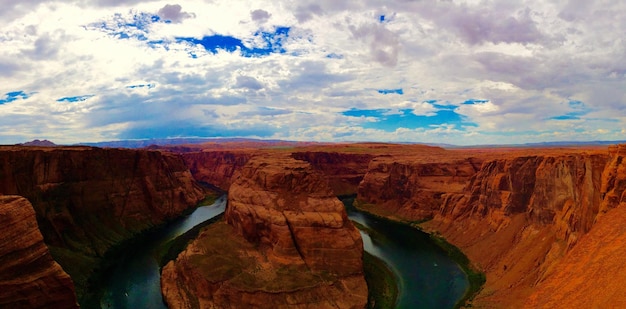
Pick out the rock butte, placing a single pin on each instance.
(544, 224)
(304, 250)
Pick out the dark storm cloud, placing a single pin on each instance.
(46, 47)
(260, 16)
(174, 13)
(264, 111)
(8, 67)
(248, 82)
(384, 45)
(307, 12)
(498, 23)
(483, 25)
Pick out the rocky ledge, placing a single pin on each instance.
(287, 243)
(29, 277)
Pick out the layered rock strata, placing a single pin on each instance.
(514, 217)
(29, 277)
(344, 171)
(411, 190)
(298, 248)
(216, 167)
(89, 199)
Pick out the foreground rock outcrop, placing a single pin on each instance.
(29, 277)
(88, 200)
(289, 244)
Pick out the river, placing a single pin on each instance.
(135, 281)
(427, 277)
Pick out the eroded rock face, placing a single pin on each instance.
(29, 277)
(514, 217)
(304, 251)
(216, 167)
(518, 216)
(89, 199)
(413, 191)
(591, 273)
(344, 171)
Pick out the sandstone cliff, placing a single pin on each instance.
(515, 217)
(216, 167)
(290, 245)
(29, 277)
(344, 171)
(89, 199)
(411, 190)
(518, 216)
(591, 273)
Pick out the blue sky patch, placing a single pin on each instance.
(474, 101)
(123, 27)
(389, 91)
(79, 98)
(389, 122)
(579, 109)
(181, 129)
(565, 117)
(272, 43)
(334, 56)
(149, 86)
(14, 95)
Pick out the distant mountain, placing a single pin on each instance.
(179, 141)
(158, 143)
(43, 143)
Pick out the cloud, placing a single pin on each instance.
(307, 12)
(260, 16)
(174, 13)
(468, 71)
(384, 45)
(248, 82)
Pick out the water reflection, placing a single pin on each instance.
(428, 277)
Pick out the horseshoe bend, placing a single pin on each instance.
(544, 225)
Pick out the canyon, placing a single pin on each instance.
(543, 224)
(295, 247)
(89, 201)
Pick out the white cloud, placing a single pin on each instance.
(526, 61)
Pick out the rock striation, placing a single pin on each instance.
(400, 187)
(515, 216)
(298, 249)
(344, 171)
(88, 200)
(29, 276)
(216, 167)
(591, 274)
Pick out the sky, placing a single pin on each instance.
(427, 71)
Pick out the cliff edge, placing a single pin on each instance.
(29, 277)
